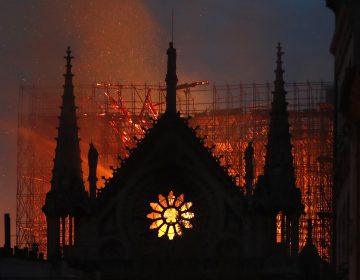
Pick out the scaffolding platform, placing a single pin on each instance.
(115, 116)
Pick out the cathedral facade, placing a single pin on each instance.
(171, 210)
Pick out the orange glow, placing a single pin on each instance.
(170, 216)
(228, 130)
(156, 207)
(279, 227)
(155, 224)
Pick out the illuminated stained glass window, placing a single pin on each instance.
(279, 221)
(170, 215)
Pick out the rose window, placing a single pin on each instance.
(170, 215)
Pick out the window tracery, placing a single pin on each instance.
(170, 215)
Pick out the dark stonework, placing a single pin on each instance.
(233, 235)
(249, 168)
(67, 197)
(93, 156)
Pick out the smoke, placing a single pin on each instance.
(111, 40)
(125, 41)
(7, 171)
(114, 41)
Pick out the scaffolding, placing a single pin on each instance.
(114, 116)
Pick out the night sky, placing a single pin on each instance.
(223, 41)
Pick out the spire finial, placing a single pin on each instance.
(68, 58)
(68, 75)
(279, 71)
(279, 48)
(171, 80)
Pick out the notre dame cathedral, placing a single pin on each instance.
(171, 211)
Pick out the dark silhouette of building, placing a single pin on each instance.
(93, 156)
(170, 210)
(345, 47)
(310, 263)
(29, 263)
(283, 198)
(67, 199)
(249, 168)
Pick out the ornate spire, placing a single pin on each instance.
(279, 172)
(171, 80)
(67, 172)
(279, 168)
(67, 196)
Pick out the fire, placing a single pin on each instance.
(228, 130)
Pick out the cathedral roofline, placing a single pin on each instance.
(168, 124)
